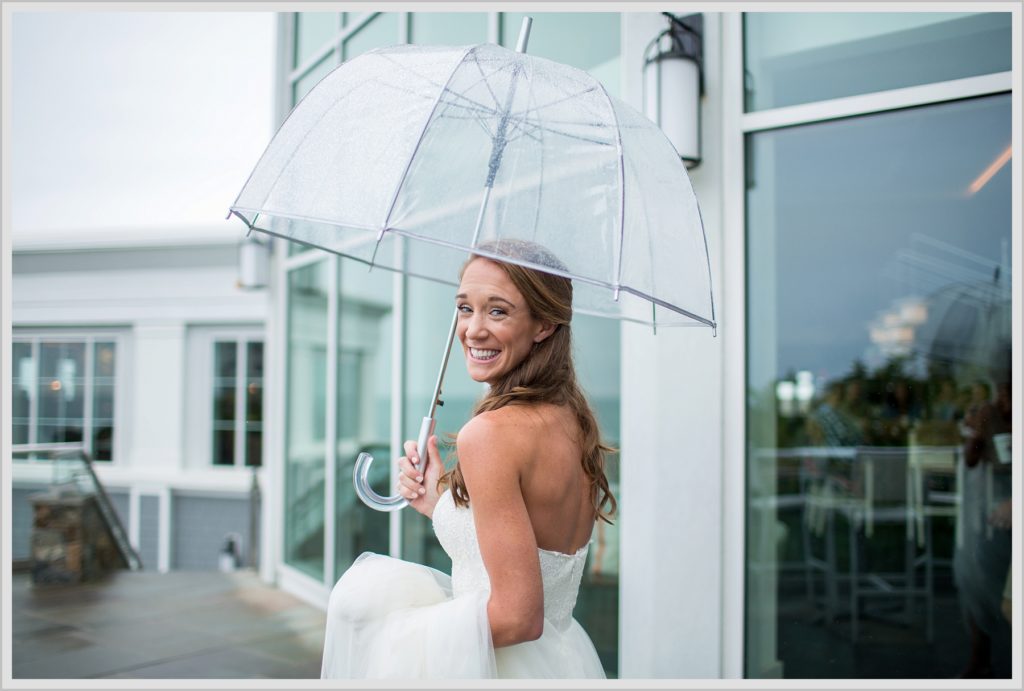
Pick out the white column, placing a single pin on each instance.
(157, 395)
(671, 592)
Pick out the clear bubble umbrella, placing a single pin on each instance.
(411, 158)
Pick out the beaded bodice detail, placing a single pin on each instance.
(560, 573)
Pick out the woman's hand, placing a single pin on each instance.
(418, 484)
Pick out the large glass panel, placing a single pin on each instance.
(597, 51)
(254, 404)
(596, 344)
(61, 392)
(312, 31)
(796, 58)
(448, 28)
(878, 383)
(380, 31)
(22, 386)
(224, 385)
(306, 405)
(363, 406)
(104, 365)
(428, 313)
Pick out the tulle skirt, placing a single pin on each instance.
(392, 619)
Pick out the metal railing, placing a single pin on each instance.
(82, 465)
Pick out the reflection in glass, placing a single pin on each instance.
(254, 403)
(878, 388)
(597, 358)
(448, 28)
(22, 387)
(428, 313)
(305, 427)
(312, 31)
(363, 407)
(104, 361)
(61, 392)
(224, 385)
(794, 58)
(380, 31)
(598, 54)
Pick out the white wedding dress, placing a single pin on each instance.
(389, 618)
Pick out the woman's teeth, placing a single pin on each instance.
(483, 354)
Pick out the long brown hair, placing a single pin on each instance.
(547, 373)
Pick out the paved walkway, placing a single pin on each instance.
(146, 625)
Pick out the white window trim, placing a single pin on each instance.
(877, 102)
(734, 374)
(88, 336)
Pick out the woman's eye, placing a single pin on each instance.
(497, 312)
(464, 308)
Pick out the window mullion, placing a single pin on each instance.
(331, 423)
(240, 391)
(33, 396)
(87, 391)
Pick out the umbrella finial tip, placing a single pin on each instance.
(524, 34)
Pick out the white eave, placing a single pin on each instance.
(63, 240)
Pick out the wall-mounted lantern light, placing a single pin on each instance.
(253, 263)
(674, 82)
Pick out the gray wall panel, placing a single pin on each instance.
(21, 520)
(149, 531)
(199, 526)
(119, 498)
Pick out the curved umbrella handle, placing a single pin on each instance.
(362, 469)
(366, 493)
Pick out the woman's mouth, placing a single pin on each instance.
(483, 355)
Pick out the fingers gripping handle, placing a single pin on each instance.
(362, 469)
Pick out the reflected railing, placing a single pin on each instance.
(73, 473)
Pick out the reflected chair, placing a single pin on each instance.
(869, 489)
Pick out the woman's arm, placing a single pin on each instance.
(492, 453)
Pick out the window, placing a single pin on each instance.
(237, 402)
(64, 391)
(878, 329)
(794, 58)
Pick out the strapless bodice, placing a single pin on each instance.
(560, 573)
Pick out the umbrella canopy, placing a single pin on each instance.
(414, 157)
(969, 329)
(409, 157)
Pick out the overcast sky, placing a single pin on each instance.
(135, 120)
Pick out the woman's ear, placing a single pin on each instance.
(546, 329)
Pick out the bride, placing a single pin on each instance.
(515, 513)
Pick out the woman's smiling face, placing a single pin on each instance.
(495, 326)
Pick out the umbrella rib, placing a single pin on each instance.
(483, 77)
(622, 191)
(435, 83)
(564, 98)
(570, 135)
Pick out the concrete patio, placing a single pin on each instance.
(178, 625)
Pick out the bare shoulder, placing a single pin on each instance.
(507, 434)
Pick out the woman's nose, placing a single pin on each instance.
(475, 327)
